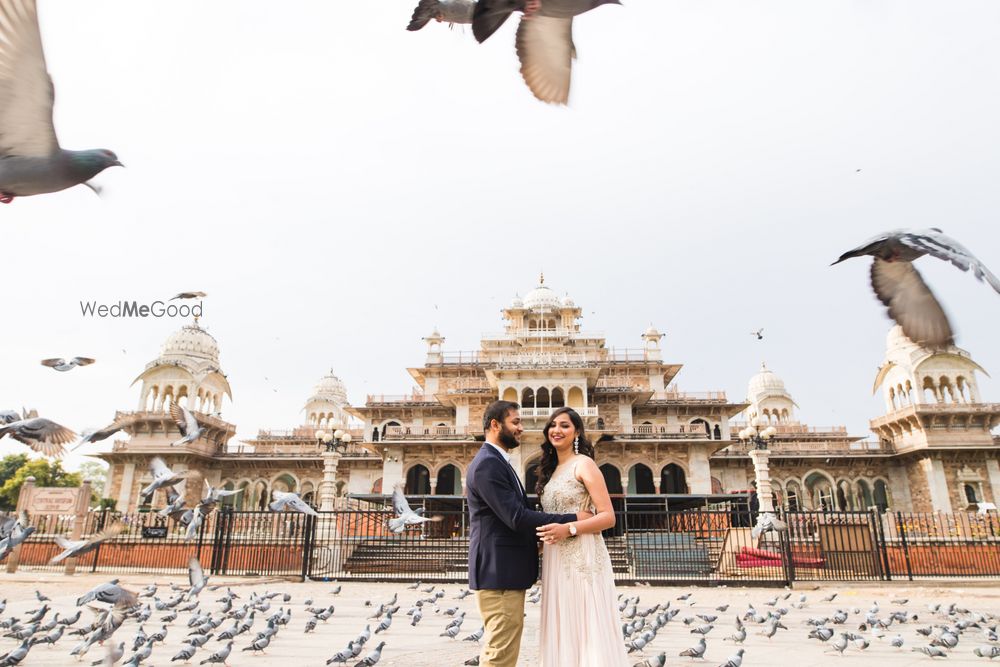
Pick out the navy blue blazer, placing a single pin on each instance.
(503, 546)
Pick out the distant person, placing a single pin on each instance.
(754, 504)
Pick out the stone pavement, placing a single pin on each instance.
(422, 646)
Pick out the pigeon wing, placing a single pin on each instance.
(52, 363)
(196, 576)
(26, 92)
(113, 530)
(399, 504)
(899, 286)
(43, 435)
(944, 247)
(177, 414)
(545, 49)
(83, 361)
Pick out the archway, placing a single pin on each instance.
(449, 481)
(704, 427)
(284, 482)
(640, 480)
(575, 397)
(418, 481)
(612, 477)
(672, 479)
(542, 398)
(558, 400)
(510, 394)
(865, 498)
(528, 398)
(881, 495)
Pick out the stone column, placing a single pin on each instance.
(125, 490)
(762, 474)
(993, 472)
(899, 487)
(328, 491)
(699, 469)
(937, 485)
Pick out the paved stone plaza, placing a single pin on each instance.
(422, 645)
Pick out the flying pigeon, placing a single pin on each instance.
(81, 547)
(61, 364)
(196, 576)
(448, 11)
(42, 435)
(759, 333)
(31, 160)
(768, 523)
(544, 39)
(188, 295)
(186, 422)
(96, 435)
(14, 531)
(109, 593)
(899, 286)
(163, 477)
(289, 501)
(404, 515)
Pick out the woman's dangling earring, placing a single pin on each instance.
(576, 445)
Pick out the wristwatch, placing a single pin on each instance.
(572, 530)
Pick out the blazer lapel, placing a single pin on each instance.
(510, 468)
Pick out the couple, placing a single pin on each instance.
(580, 623)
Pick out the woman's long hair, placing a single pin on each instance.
(550, 459)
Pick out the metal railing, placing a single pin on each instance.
(649, 543)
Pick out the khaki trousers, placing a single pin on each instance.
(503, 618)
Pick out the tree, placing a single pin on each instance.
(97, 473)
(9, 465)
(45, 474)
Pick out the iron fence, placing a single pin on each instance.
(648, 544)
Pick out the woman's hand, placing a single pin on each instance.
(553, 533)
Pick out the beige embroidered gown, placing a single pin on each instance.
(580, 622)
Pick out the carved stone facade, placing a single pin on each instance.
(934, 448)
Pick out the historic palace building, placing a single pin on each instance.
(933, 448)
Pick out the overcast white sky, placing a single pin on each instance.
(328, 178)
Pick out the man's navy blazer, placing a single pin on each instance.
(503, 546)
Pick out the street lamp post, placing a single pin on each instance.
(758, 438)
(334, 446)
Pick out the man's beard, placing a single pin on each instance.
(507, 439)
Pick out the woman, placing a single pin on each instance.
(580, 621)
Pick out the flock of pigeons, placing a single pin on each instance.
(212, 629)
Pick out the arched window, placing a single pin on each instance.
(542, 398)
(575, 398)
(672, 479)
(881, 495)
(716, 433)
(865, 499)
(418, 481)
(640, 480)
(612, 477)
(449, 481)
(704, 428)
(528, 398)
(558, 400)
(510, 394)
(970, 494)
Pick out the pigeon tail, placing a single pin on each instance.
(423, 13)
(490, 15)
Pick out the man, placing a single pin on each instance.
(754, 503)
(503, 548)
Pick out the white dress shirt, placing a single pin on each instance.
(506, 457)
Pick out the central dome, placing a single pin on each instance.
(331, 388)
(765, 383)
(542, 297)
(191, 341)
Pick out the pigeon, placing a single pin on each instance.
(219, 656)
(196, 576)
(188, 295)
(186, 652)
(759, 333)
(447, 11)
(656, 661)
(112, 655)
(190, 428)
(213, 495)
(42, 435)
(768, 523)
(475, 636)
(81, 547)
(109, 593)
(60, 364)
(987, 651)
(31, 160)
(931, 651)
(17, 655)
(734, 660)
(372, 658)
(175, 505)
(96, 435)
(697, 651)
(289, 501)
(899, 286)
(404, 515)
(544, 40)
(16, 532)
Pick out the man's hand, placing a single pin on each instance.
(553, 533)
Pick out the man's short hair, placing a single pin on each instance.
(498, 410)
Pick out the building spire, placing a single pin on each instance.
(541, 278)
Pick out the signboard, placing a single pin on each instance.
(52, 500)
(154, 532)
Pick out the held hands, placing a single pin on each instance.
(553, 533)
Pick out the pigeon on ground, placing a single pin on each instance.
(219, 656)
(189, 427)
(447, 11)
(697, 651)
(188, 295)
(404, 515)
(60, 364)
(81, 547)
(31, 160)
(372, 658)
(899, 286)
(42, 435)
(734, 660)
(544, 39)
(17, 655)
(931, 651)
(987, 651)
(289, 502)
